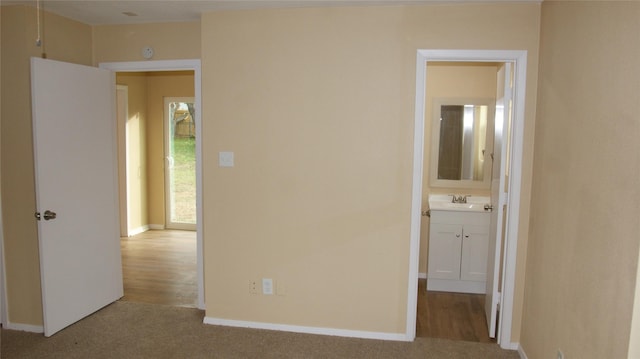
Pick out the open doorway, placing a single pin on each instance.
(169, 255)
(157, 119)
(461, 106)
(505, 262)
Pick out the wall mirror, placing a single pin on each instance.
(462, 143)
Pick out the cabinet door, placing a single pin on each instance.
(445, 241)
(475, 246)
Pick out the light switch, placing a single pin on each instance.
(225, 159)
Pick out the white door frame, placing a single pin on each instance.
(123, 151)
(519, 59)
(3, 297)
(180, 65)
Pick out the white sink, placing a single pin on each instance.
(442, 202)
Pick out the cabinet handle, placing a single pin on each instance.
(466, 236)
(457, 236)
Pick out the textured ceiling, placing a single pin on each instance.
(101, 12)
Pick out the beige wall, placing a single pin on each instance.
(317, 105)
(450, 80)
(170, 41)
(64, 40)
(584, 243)
(161, 85)
(136, 138)
(321, 122)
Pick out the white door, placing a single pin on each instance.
(2, 315)
(498, 193)
(180, 164)
(76, 178)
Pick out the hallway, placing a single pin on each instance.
(159, 267)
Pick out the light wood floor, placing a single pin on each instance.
(159, 267)
(455, 316)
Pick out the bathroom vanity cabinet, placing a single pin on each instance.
(458, 251)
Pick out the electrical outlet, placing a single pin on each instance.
(560, 354)
(253, 286)
(267, 286)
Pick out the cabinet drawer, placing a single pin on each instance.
(459, 217)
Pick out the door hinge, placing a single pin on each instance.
(503, 198)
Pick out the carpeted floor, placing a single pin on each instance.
(134, 330)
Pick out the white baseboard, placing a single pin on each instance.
(422, 275)
(133, 232)
(308, 330)
(521, 352)
(156, 226)
(24, 327)
(457, 286)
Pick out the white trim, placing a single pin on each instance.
(181, 226)
(156, 226)
(634, 342)
(25, 327)
(416, 196)
(520, 350)
(519, 58)
(156, 65)
(307, 330)
(458, 286)
(123, 168)
(3, 279)
(172, 65)
(138, 230)
(512, 221)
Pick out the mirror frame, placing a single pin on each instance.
(435, 143)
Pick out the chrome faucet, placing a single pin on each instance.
(459, 199)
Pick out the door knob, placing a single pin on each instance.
(49, 215)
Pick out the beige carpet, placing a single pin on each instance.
(134, 330)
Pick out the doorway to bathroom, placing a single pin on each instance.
(501, 258)
(459, 127)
